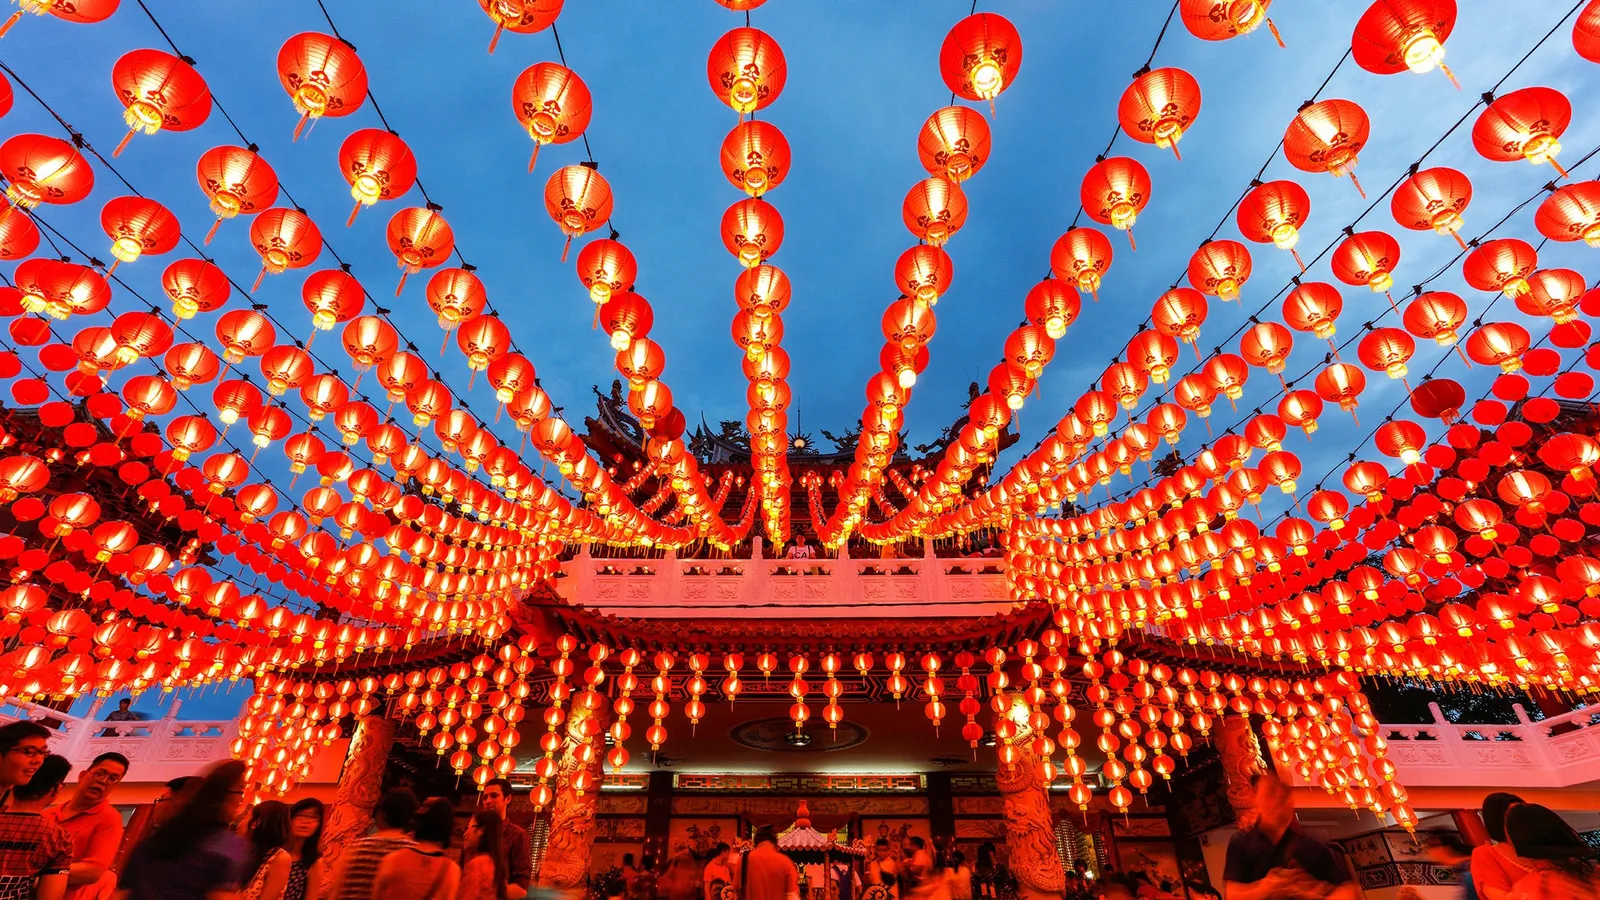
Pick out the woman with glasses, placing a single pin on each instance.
(193, 854)
(305, 848)
(269, 855)
(23, 747)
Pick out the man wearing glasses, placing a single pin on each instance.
(23, 747)
(94, 824)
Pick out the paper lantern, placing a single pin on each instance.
(1524, 124)
(980, 56)
(1501, 266)
(1586, 32)
(237, 181)
(1396, 35)
(1435, 316)
(332, 296)
(1153, 353)
(1114, 191)
(456, 295)
(520, 16)
(1219, 20)
(934, 209)
(1080, 257)
(80, 11)
(378, 166)
(746, 69)
(1433, 199)
(1554, 293)
(19, 237)
(420, 239)
(954, 142)
(752, 230)
(1387, 350)
(60, 289)
(1273, 213)
(1314, 307)
(923, 272)
(159, 91)
(136, 226)
(1052, 305)
(322, 75)
(1367, 258)
(1220, 268)
(755, 157)
(1571, 213)
(1328, 136)
(1159, 107)
(43, 169)
(606, 267)
(1341, 383)
(1499, 344)
(553, 105)
(285, 239)
(1179, 313)
(579, 201)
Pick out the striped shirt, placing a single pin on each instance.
(360, 863)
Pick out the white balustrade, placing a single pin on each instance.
(158, 750)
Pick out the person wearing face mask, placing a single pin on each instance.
(1274, 860)
(95, 826)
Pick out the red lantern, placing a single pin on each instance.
(1114, 191)
(1267, 345)
(934, 209)
(1159, 107)
(755, 157)
(553, 105)
(332, 296)
(746, 69)
(80, 11)
(1328, 137)
(1499, 344)
(1387, 350)
(1179, 313)
(1080, 257)
(159, 91)
(286, 239)
(420, 239)
(59, 289)
(1220, 268)
(1433, 198)
(236, 181)
(954, 142)
(19, 237)
(1053, 306)
(1586, 32)
(243, 333)
(1571, 213)
(923, 272)
(1313, 307)
(138, 225)
(456, 295)
(1219, 20)
(752, 230)
(483, 339)
(980, 57)
(44, 170)
(579, 201)
(1342, 383)
(323, 76)
(1435, 316)
(1273, 212)
(1402, 440)
(378, 165)
(1524, 124)
(606, 267)
(1367, 258)
(1396, 35)
(1153, 353)
(1554, 293)
(1501, 266)
(520, 16)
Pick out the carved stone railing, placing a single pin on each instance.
(158, 750)
(833, 587)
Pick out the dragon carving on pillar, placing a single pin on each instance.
(1030, 830)
(572, 814)
(360, 786)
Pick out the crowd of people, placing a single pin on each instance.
(205, 842)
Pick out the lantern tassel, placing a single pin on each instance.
(1390, 297)
(1207, 421)
(300, 126)
(1131, 244)
(1461, 353)
(1175, 152)
(565, 248)
(262, 274)
(533, 157)
(1459, 242)
(213, 232)
(1357, 182)
(15, 17)
(499, 27)
(1275, 35)
(1353, 417)
(1195, 344)
(1298, 261)
(1335, 348)
(1450, 75)
(405, 273)
(352, 220)
(114, 264)
(1557, 167)
(125, 139)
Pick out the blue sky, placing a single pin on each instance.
(862, 78)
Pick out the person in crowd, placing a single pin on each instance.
(483, 858)
(986, 876)
(1561, 866)
(628, 869)
(801, 548)
(845, 881)
(643, 885)
(124, 712)
(718, 874)
(94, 825)
(1274, 860)
(193, 854)
(424, 870)
(681, 880)
(305, 848)
(267, 874)
(170, 798)
(960, 877)
(496, 798)
(1449, 851)
(353, 877)
(23, 748)
(1495, 866)
(35, 852)
(768, 874)
(884, 870)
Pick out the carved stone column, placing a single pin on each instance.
(565, 865)
(360, 787)
(1030, 829)
(1241, 759)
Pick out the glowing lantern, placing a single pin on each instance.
(746, 69)
(606, 267)
(378, 165)
(1435, 316)
(934, 209)
(1220, 268)
(520, 16)
(1396, 35)
(954, 142)
(60, 289)
(140, 334)
(1219, 20)
(369, 340)
(579, 201)
(1367, 258)
(19, 237)
(1159, 107)
(43, 169)
(1554, 293)
(1585, 32)
(1053, 307)
(553, 105)
(626, 317)
(191, 364)
(159, 91)
(1387, 350)
(456, 295)
(286, 239)
(1501, 266)
(1153, 353)
(1328, 136)
(285, 367)
(1498, 344)
(1273, 213)
(752, 230)
(1433, 198)
(1179, 313)
(236, 181)
(755, 157)
(1227, 374)
(1114, 191)
(1524, 124)
(1571, 213)
(80, 11)
(483, 339)
(1267, 345)
(332, 296)
(1029, 349)
(137, 225)
(243, 333)
(1313, 306)
(323, 76)
(1341, 383)
(980, 57)
(923, 272)
(1404, 441)
(1080, 257)
(420, 239)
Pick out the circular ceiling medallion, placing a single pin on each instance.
(780, 736)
